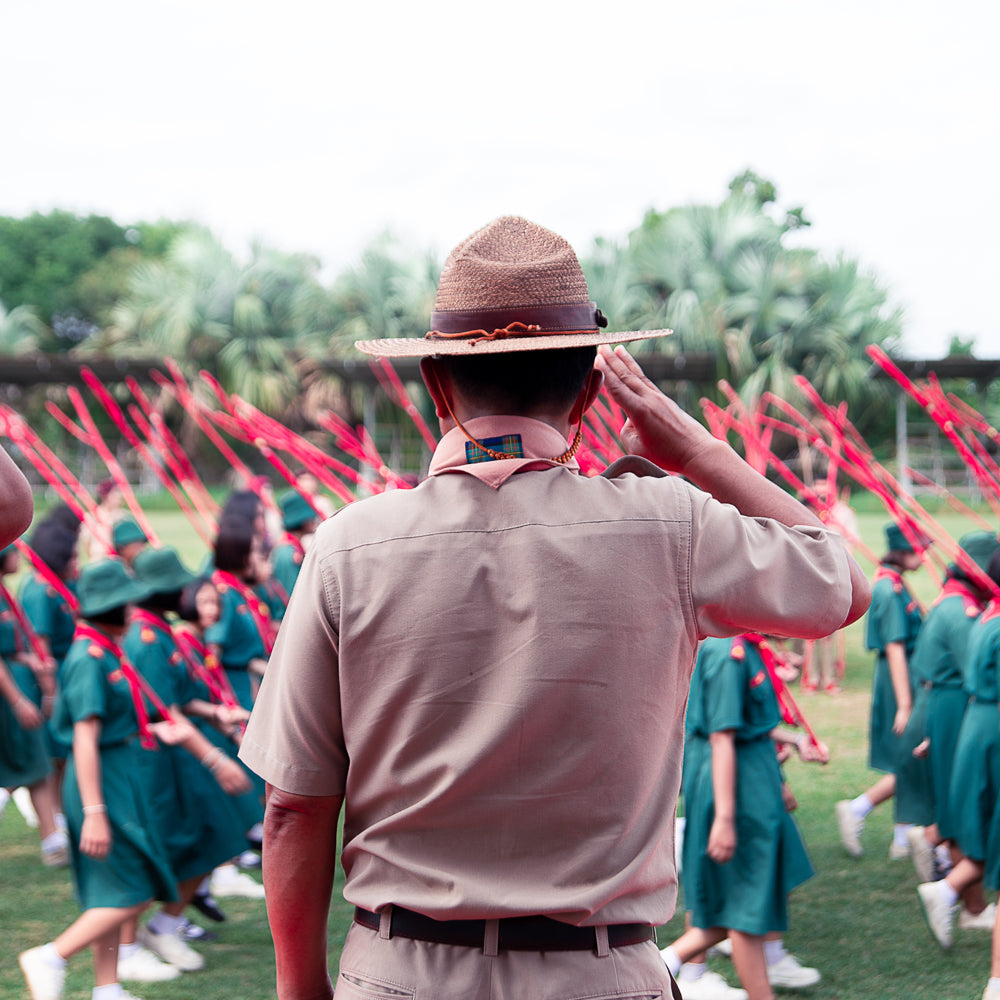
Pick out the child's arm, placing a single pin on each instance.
(722, 837)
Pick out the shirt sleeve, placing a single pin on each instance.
(294, 739)
(755, 574)
(83, 690)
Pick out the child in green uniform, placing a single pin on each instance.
(118, 859)
(891, 631)
(299, 519)
(24, 757)
(199, 830)
(742, 851)
(937, 667)
(974, 816)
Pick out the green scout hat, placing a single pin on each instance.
(105, 585)
(161, 571)
(125, 532)
(294, 510)
(896, 540)
(979, 546)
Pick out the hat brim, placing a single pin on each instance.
(129, 593)
(419, 347)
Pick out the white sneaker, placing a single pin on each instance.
(991, 993)
(125, 995)
(789, 973)
(171, 948)
(22, 799)
(55, 850)
(710, 986)
(143, 966)
(249, 859)
(978, 921)
(899, 852)
(235, 884)
(922, 853)
(940, 916)
(44, 981)
(850, 828)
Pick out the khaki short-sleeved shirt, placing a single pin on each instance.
(494, 675)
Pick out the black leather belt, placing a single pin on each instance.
(516, 933)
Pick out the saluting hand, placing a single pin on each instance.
(657, 428)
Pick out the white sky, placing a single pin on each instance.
(316, 125)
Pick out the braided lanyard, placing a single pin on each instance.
(137, 684)
(259, 611)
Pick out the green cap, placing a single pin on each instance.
(161, 571)
(896, 540)
(294, 510)
(125, 532)
(979, 546)
(105, 585)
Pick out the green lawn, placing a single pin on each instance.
(857, 921)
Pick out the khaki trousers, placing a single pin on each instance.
(377, 968)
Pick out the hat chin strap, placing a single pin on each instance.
(499, 455)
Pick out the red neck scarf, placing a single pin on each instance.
(136, 683)
(259, 610)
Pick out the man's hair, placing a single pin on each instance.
(522, 381)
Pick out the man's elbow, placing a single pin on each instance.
(16, 512)
(861, 594)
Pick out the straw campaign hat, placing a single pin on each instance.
(511, 286)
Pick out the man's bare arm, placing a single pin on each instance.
(16, 504)
(658, 429)
(299, 861)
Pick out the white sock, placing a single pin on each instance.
(163, 923)
(127, 950)
(256, 832)
(112, 991)
(861, 806)
(204, 886)
(949, 895)
(691, 972)
(51, 957)
(672, 960)
(899, 832)
(943, 855)
(993, 984)
(774, 951)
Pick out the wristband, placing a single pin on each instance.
(89, 810)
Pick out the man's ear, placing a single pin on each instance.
(436, 379)
(588, 394)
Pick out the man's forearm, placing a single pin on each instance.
(299, 861)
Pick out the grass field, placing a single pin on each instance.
(857, 921)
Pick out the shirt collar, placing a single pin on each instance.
(538, 441)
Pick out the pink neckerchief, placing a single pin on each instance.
(539, 441)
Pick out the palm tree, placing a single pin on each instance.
(21, 330)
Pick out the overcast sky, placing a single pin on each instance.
(314, 126)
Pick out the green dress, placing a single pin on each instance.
(975, 786)
(24, 759)
(136, 868)
(731, 690)
(922, 784)
(893, 617)
(199, 826)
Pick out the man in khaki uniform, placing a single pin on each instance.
(489, 672)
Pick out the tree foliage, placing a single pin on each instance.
(725, 279)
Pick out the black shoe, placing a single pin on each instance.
(206, 904)
(192, 932)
